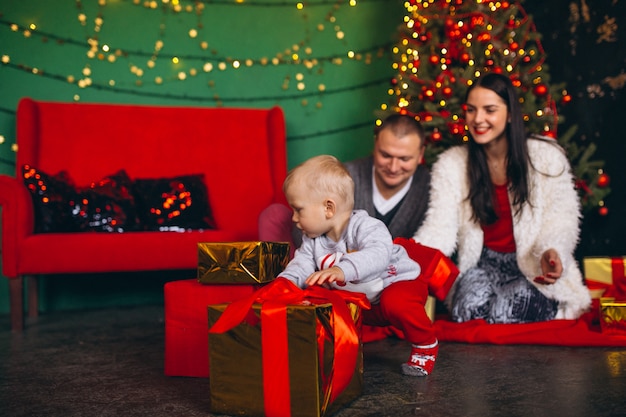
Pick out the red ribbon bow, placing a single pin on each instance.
(274, 298)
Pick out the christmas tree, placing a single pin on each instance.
(444, 44)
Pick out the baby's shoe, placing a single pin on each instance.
(422, 360)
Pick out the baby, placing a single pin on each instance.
(348, 249)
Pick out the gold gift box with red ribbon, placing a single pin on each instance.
(254, 262)
(286, 352)
(612, 316)
(605, 277)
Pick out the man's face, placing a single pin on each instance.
(395, 160)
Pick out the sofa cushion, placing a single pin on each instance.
(51, 195)
(132, 251)
(115, 203)
(107, 205)
(176, 203)
(103, 206)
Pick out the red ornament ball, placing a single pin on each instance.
(540, 90)
(436, 136)
(434, 59)
(457, 128)
(603, 180)
(477, 20)
(603, 211)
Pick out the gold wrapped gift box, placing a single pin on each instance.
(612, 316)
(241, 262)
(604, 275)
(237, 374)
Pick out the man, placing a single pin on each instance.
(391, 184)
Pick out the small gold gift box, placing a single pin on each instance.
(237, 372)
(612, 316)
(241, 262)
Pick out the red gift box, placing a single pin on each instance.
(186, 323)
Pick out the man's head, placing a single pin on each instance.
(398, 150)
(321, 193)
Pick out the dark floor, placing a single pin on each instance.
(110, 363)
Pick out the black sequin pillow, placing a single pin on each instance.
(104, 206)
(51, 197)
(173, 204)
(107, 205)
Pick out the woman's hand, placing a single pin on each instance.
(326, 276)
(551, 267)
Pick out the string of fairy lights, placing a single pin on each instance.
(299, 58)
(207, 60)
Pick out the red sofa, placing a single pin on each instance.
(241, 152)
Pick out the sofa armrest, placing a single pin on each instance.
(18, 221)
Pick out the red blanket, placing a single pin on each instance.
(582, 332)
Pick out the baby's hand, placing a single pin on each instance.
(326, 276)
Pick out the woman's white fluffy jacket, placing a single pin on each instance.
(551, 219)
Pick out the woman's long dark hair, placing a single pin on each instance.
(481, 192)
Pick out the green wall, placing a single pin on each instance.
(332, 111)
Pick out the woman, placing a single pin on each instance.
(507, 206)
